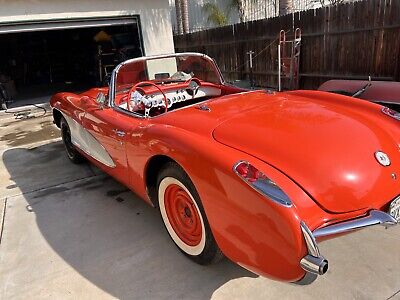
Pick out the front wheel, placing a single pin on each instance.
(70, 149)
(184, 217)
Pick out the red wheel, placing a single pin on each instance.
(184, 217)
(181, 216)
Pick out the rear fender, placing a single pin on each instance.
(249, 228)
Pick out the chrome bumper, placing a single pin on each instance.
(314, 262)
(375, 217)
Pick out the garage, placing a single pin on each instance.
(52, 46)
(40, 59)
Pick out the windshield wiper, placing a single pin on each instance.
(363, 89)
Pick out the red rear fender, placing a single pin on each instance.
(250, 229)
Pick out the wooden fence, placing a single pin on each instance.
(348, 41)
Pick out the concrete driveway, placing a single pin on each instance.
(72, 232)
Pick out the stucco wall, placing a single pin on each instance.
(154, 16)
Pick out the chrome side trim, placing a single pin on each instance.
(375, 217)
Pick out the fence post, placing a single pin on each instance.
(250, 53)
(279, 68)
(397, 70)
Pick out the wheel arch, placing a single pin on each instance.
(152, 169)
(57, 115)
(229, 204)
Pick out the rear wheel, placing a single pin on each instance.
(70, 149)
(184, 217)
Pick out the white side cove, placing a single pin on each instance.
(82, 139)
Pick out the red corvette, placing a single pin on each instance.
(257, 176)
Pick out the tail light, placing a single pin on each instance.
(391, 113)
(261, 183)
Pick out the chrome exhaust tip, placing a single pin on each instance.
(315, 265)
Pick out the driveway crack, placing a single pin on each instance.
(56, 185)
(392, 297)
(2, 217)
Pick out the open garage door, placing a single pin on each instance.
(33, 26)
(38, 59)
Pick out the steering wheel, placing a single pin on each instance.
(148, 106)
(193, 85)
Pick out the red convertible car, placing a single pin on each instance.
(257, 176)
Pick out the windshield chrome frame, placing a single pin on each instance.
(112, 86)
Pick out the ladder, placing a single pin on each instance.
(289, 61)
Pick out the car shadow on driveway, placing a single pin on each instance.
(94, 227)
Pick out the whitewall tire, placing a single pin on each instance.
(183, 215)
(168, 188)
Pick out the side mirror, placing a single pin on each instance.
(101, 99)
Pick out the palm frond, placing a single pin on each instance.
(215, 15)
(239, 6)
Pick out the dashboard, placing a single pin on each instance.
(147, 99)
(181, 95)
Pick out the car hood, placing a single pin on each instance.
(326, 147)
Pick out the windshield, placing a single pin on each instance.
(166, 70)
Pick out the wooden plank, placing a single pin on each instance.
(351, 40)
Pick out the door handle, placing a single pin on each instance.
(120, 133)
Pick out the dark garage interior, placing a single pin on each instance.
(36, 64)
